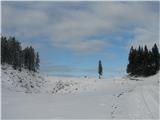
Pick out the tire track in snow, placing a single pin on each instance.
(142, 94)
(116, 106)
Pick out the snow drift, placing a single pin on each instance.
(27, 95)
(21, 81)
(32, 82)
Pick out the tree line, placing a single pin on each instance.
(13, 54)
(143, 62)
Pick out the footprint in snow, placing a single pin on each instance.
(112, 114)
(114, 106)
(120, 94)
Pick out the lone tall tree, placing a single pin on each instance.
(100, 69)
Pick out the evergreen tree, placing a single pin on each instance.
(140, 61)
(12, 53)
(156, 58)
(150, 67)
(100, 69)
(16, 54)
(132, 61)
(37, 61)
(4, 49)
(29, 58)
(25, 55)
(143, 62)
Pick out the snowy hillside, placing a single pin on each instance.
(26, 95)
(30, 82)
(21, 81)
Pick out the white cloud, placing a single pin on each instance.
(24, 22)
(145, 37)
(69, 28)
(90, 46)
(59, 68)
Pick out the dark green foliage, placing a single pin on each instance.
(29, 58)
(143, 62)
(156, 58)
(12, 53)
(37, 61)
(4, 49)
(100, 69)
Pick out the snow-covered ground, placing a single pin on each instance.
(28, 96)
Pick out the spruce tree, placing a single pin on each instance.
(143, 62)
(16, 54)
(150, 63)
(130, 58)
(29, 58)
(32, 59)
(25, 55)
(12, 53)
(4, 49)
(100, 69)
(140, 61)
(156, 58)
(131, 67)
(37, 61)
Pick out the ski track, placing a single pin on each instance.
(78, 98)
(146, 104)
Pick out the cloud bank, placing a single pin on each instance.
(75, 25)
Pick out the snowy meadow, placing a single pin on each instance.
(80, 60)
(78, 98)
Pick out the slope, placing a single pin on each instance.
(80, 98)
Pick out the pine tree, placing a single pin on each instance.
(16, 54)
(21, 60)
(131, 67)
(140, 61)
(37, 61)
(156, 58)
(12, 53)
(4, 49)
(143, 62)
(29, 58)
(100, 69)
(150, 64)
(25, 57)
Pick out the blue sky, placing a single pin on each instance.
(71, 37)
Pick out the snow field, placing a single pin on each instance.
(40, 97)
